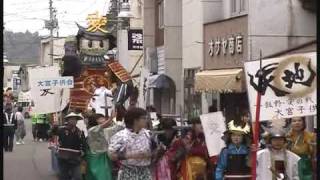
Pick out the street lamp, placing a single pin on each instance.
(125, 10)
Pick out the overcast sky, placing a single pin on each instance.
(22, 15)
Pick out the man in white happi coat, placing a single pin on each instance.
(276, 162)
(103, 99)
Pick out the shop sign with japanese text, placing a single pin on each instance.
(226, 45)
(58, 82)
(288, 86)
(135, 39)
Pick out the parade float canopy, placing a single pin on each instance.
(224, 80)
(161, 81)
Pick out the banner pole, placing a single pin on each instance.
(257, 124)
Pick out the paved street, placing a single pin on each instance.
(31, 161)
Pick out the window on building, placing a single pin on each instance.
(161, 14)
(238, 7)
(192, 99)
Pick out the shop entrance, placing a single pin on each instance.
(232, 104)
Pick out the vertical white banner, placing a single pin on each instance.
(46, 100)
(213, 126)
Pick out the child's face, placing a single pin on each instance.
(236, 138)
(278, 143)
(198, 128)
(101, 120)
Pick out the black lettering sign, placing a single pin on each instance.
(135, 39)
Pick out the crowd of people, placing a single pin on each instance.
(130, 148)
(127, 145)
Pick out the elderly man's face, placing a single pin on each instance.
(72, 122)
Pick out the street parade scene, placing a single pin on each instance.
(159, 90)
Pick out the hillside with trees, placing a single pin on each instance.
(22, 48)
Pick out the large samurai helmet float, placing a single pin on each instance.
(87, 56)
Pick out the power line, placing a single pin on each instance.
(95, 1)
(30, 11)
(32, 2)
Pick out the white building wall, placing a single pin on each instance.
(195, 14)
(148, 16)
(8, 74)
(212, 10)
(58, 50)
(275, 26)
(192, 34)
(129, 58)
(173, 46)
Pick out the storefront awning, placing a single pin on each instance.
(225, 80)
(161, 81)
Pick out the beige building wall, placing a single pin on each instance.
(58, 51)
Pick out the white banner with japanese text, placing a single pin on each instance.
(288, 86)
(213, 127)
(55, 82)
(47, 100)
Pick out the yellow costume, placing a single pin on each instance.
(193, 167)
(303, 145)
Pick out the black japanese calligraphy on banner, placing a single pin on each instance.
(283, 79)
(135, 39)
(288, 86)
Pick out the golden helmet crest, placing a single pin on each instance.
(233, 127)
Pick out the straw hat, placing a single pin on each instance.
(72, 114)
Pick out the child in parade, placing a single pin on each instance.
(233, 162)
(196, 158)
(276, 162)
(164, 168)
(302, 143)
(98, 162)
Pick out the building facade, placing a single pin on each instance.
(130, 41)
(58, 51)
(240, 32)
(163, 54)
(194, 14)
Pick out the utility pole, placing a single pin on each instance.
(51, 31)
(51, 25)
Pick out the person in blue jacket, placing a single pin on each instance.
(233, 162)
